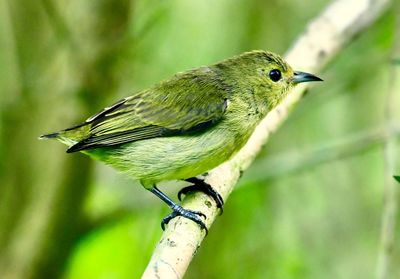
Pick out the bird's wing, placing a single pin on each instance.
(185, 104)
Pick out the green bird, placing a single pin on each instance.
(184, 126)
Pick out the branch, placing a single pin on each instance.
(325, 36)
(391, 192)
(297, 160)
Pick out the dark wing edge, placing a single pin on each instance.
(106, 110)
(118, 138)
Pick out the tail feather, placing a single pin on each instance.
(50, 136)
(69, 136)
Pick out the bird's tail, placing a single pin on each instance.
(69, 136)
(60, 136)
(50, 136)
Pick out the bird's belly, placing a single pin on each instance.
(170, 158)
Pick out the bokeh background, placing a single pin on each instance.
(309, 207)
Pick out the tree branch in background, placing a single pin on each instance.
(325, 36)
(391, 192)
(297, 160)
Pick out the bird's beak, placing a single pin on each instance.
(304, 77)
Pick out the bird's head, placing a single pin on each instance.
(267, 74)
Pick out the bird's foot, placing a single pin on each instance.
(202, 186)
(178, 210)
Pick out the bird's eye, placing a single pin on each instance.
(275, 75)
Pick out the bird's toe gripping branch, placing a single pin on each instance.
(202, 186)
(195, 216)
(178, 210)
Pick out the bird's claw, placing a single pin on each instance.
(200, 185)
(195, 216)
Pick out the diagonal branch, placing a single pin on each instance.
(325, 36)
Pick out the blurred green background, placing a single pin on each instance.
(309, 207)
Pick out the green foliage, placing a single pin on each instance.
(116, 250)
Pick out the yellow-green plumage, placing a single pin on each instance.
(188, 124)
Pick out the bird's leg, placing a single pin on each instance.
(200, 185)
(178, 210)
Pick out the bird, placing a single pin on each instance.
(184, 126)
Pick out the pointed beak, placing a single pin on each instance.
(304, 77)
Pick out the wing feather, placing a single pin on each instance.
(190, 101)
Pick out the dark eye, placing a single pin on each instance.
(275, 75)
